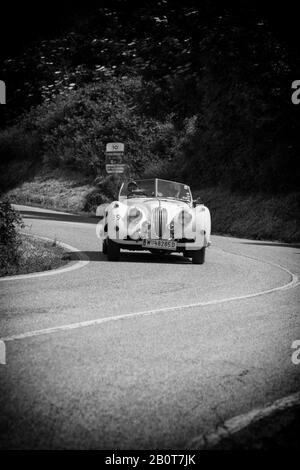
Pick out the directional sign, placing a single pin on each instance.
(115, 168)
(114, 155)
(114, 159)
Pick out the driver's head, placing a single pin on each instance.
(132, 185)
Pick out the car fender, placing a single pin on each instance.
(203, 223)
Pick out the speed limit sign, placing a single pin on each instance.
(114, 147)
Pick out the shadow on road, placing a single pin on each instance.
(134, 257)
(59, 217)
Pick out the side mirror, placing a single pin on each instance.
(197, 201)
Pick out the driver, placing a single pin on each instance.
(181, 192)
(131, 188)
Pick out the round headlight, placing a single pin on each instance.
(185, 217)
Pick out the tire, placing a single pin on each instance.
(198, 256)
(113, 250)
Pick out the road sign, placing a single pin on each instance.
(116, 155)
(114, 158)
(120, 168)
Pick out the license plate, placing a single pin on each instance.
(160, 244)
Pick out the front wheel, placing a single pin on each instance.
(198, 256)
(113, 250)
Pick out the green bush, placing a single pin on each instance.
(106, 191)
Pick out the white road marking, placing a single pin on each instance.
(294, 278)
(83, 261)
(238, 423)
(99, 321)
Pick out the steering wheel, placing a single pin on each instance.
(137, 192)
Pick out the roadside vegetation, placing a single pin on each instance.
(22, 254)
(56, 189)
(35, 255)
(257, 216)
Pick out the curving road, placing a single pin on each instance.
(149, 352)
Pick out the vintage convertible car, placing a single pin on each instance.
(155, 215)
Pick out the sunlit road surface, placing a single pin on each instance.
(132, 372)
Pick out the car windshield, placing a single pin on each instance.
(155, 188)
(173, 190)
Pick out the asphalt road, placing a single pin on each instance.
(149, 381)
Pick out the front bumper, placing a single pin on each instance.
(185, 245)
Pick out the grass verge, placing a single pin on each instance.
(54, 189)
(256, 216)
(34, 255)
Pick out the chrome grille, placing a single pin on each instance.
(159, 220)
